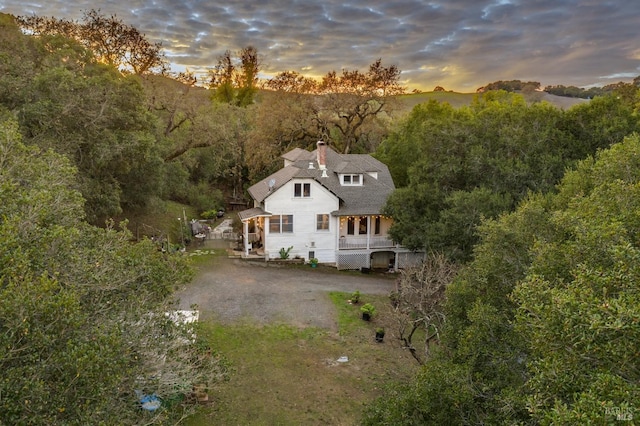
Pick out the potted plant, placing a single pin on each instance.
(379, 334)
(313, 262)
(368, 310)
(355, 297)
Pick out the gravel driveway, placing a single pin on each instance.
(233, 289)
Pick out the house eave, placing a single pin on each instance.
(253, 213)
(342, 213)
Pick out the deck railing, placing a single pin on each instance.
(352, 243)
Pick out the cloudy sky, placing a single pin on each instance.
(458, 44)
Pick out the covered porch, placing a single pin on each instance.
(365, 232)
(253, 236)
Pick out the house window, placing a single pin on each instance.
(301, 190)
(351, 226)
(274, 224)
(362, 228)
(377, 225)
(281, 223)
(322, 222)
(287, 223)
(351, 179)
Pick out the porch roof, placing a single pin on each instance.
(252, 212)
(358, 210)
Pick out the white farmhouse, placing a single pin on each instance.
(326, 206)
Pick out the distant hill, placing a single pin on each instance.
(457, 100)
(452, 98)
(562, 101)
(409, 100)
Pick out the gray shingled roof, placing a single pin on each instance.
(297, 154)
(252, 212)
(367, 199)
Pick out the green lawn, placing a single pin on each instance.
(289, 376)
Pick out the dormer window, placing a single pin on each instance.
(354, 180)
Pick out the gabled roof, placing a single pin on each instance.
(272, 183)
(367, 199)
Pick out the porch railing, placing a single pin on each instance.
(352, 243)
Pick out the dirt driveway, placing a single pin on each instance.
(232, 289)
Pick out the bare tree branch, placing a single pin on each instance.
(418, 303)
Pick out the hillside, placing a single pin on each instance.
(562, 101)
(460, 99)
(199, 94)
(453, 98)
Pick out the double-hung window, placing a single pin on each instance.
(301, 190)
(322, 222)
(281, 223)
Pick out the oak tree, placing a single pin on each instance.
(352, 98)
(111, 40)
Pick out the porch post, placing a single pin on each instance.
(245, 237)
(368, 241)
(338, 234)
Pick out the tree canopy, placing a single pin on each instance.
(542, 324)
(87, 111)
(83, 311)
(587, 93)
(109, 39)
(455, 167)
(235, 80)
(510, 86)
(351, 110)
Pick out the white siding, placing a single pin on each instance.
(305, 237)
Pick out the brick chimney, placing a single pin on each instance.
(322, 155)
